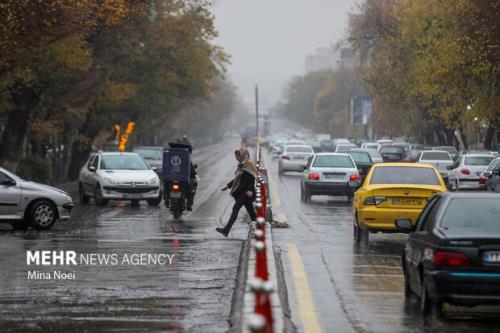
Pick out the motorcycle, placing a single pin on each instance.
(177, 178)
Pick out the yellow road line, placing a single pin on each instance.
(307, 311)
(275, 198)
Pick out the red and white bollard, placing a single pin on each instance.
(261, 260)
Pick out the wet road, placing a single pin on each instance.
(353, 289)
(193, 294)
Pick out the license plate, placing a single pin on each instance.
(491, 257)
(299, 158)
(131, 196)
(337, 178)
(406, 202)
(175, 195)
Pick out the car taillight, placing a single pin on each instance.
(355, 177)
(483, 180)
(450, 259)
(465, 171)
(313, 176)
(374, 200)
(285, 157)
(176, 187)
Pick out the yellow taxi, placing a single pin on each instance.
(393, 191)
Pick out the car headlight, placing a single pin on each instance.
(153, 181)
(110, 181)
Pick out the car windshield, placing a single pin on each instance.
(435, 156)
(333, 161)
(299, 150)
(371, 145)
(150, 154)
(472, 214)
(404, 175)
(478, 160)
(451, 150)
(123, 162)
(493, 165)
(360, 157)
(395, 150)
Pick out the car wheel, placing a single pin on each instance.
(84, 199)
(155, 202)
(42, 215)
(99, 200)
(408, 292)
(360, 235)
(307, 195)
(302, 195)
(427, 306)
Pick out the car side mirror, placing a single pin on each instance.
(9, 182)
(92, 168)
(195, 166)
(449, 167)
(404, 225)
(487, 174)
(155, 168)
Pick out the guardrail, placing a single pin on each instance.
(261, 320)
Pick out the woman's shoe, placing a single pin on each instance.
(222, 231)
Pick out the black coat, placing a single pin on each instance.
(247, 183)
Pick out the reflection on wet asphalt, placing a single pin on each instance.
(191, 295)
(356, 289)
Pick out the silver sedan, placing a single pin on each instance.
(32, 204)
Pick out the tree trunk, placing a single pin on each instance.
(488, 140)
(24, 99)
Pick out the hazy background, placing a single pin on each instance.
(269, 39)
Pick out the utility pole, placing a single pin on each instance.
(257, 112)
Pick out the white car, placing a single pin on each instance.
(330, 174)
(370, 145)
(343, 147)
(32, 204)
(382, 142)
(440, 159)
(118, 176)
(374, 154)
(467, 170)
(295, 143)
(294, 158)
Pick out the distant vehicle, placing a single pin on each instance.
(294, 158)
(385, 142)
(24, 203)
(341, 141)
(439, 158)
(414, 155)
(452, 253)
(450, 149)
(370, 145)
(295, 143)
(374, 154)
(392, 153)
(392, 191)
(467, 170)
(329, 174)
(363, 162)
(152, 155)
(327, 145)
(118, 176)
(315, 144)
(278, 146)
(344, 147)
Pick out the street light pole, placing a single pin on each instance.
(257, 112)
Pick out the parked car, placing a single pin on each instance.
(329, 174)
(450, 149)
(440, 159)
(382, 142)
(363, 162)
(152, 155)
(452, 254)
(118, 176)
(294, 158)
(466, 171)
(392, 191)
(392, 153)
(315, 144)
(24, 203)
(484, 179)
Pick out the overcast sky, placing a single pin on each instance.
(269, 39)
